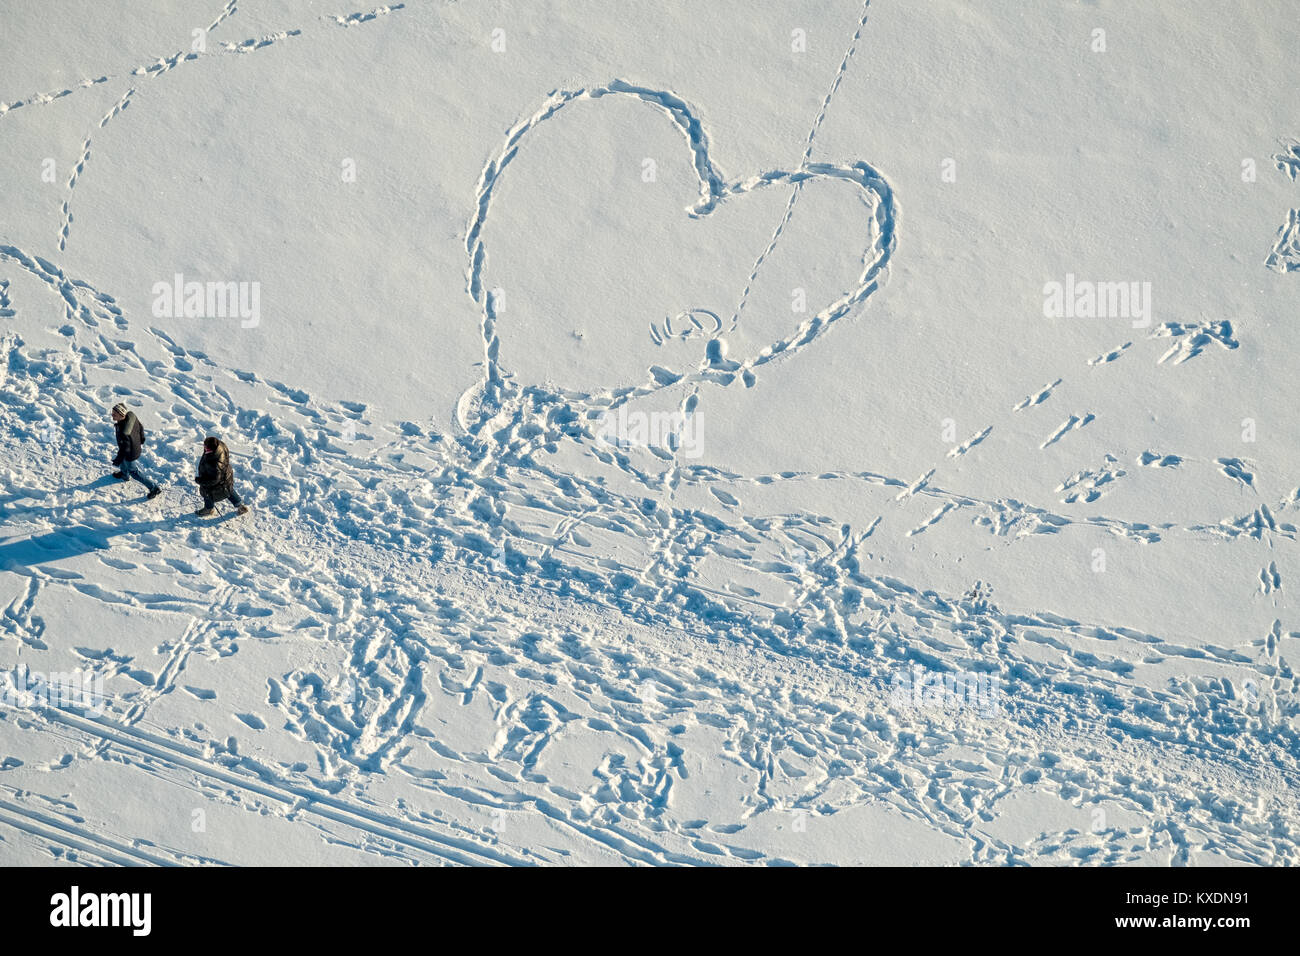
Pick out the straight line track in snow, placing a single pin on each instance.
(804, 160)
(46, 827)
(297, 798)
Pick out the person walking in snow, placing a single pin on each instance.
(130, 439)
(216, 478)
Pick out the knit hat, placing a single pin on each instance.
(119, 409)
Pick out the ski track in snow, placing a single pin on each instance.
(460, 570)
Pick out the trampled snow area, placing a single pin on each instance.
(814, 432)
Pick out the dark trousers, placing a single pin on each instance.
(210, 502)
(132, 470)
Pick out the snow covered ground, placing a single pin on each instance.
(815, 432)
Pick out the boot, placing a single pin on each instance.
(121, 476)
(242, 510)
(204, 512)
(154, 492)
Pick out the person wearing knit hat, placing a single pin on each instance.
(130, 440)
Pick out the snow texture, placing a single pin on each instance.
(661, 446)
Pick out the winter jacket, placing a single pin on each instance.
(216, 477)
(130, 436)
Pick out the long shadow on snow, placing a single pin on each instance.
(77, 541)
(7, 512)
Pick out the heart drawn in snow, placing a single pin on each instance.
(714, 190)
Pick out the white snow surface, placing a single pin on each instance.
(486, 609)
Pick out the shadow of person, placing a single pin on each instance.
(63, 543)
(101, 482)
(57, 511)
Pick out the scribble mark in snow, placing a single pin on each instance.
(689, 323)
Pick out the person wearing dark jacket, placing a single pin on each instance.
(130, 438)
(216, 478)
